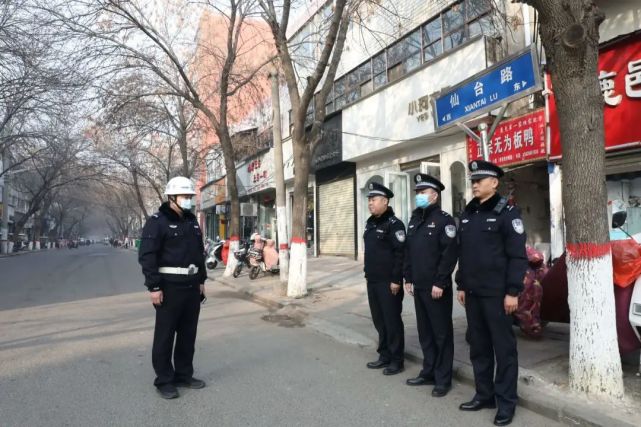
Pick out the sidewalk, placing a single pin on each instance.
(337, 306)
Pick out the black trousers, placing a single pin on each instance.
(176, 318)
(491, 336)
(386, 314)
(436, 334)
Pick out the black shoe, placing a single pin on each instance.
(420, 381)
(167, 391)
(378, 364)
(393, 369)
(476, 405)
(503, 418)
(440, 391)
(192, 382)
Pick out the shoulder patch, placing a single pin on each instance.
(400, 236)
(450, 230)
(517, 225)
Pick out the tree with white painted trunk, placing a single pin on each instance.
(301, 97)
(570, 34)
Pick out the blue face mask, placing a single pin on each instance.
(422, 201)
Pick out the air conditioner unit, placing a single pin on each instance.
(248, 209)
(221, 209)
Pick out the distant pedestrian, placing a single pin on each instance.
(384, 246)
(173, 263)
(430, 257)
(492, 267)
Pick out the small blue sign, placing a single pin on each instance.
(513, 78)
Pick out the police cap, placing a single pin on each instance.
(423, 180)
(480, 169)
(376, 189)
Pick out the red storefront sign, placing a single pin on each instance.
(620, 81)
(517, 140)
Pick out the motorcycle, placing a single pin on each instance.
(243, 259)
(263, 257)
(213, 253)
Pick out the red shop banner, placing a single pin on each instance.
(620, 81)
(515, 141)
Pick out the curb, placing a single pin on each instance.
(542, 398)
(23, 253)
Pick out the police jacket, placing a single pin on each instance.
(169, 240)
(431, 248)
(492, 257)
(384, 240)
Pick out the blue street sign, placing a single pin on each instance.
(512, 78)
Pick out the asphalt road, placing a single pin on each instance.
(75, 350)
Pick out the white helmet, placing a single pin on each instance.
(179, 185)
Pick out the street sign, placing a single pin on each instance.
(510, 79)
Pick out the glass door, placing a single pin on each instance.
(399, 183)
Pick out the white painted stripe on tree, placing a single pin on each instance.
(297, 284)
(231, 259)
(283, 238)
(595, 366)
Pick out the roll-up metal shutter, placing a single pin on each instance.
(336, 218)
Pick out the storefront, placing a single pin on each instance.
(215, 208)
(519, 146)
(390, 135)
(335, 193)
(255, 179)
(620, 81)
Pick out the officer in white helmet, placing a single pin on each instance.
(172, 258)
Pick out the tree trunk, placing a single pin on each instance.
(232, 189)
(297, 284)
(139, 199)
(570, 35)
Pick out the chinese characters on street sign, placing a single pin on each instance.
(515, 141)
(506, 81)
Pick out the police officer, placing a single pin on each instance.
(430, 258)
(172, 258)
(492, 266)
(384, 239)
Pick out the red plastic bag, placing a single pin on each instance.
(626, 261)
(529, 310)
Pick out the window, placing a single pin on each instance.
(339, 91)
(454, 26)
(329, 103)
(404, 56)
(379, 70)
(432, 41)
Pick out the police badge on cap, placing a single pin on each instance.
(480, 169)
(423, 180)
(376, 189)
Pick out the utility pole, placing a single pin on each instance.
(279, 178)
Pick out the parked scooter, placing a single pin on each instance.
(213, 253)
(263, 256)
(634, 311)
(242, 257)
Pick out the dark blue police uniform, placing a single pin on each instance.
(169, 240)
(492, 264)
(430, 258)
(384, 239)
